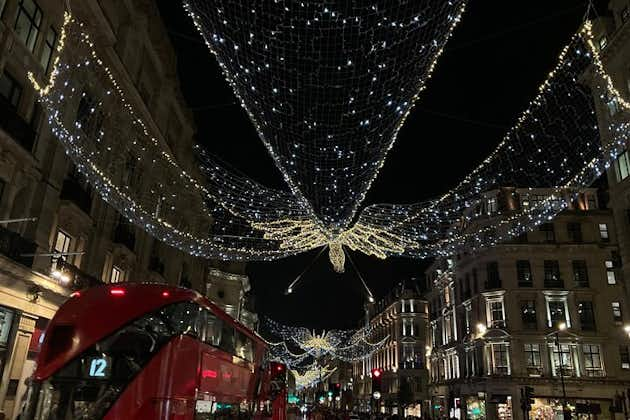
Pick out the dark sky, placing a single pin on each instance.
(491, 68)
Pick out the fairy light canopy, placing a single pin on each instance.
(327, 84)
(297, 95)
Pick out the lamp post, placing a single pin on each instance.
(561, 327)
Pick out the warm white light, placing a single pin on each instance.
(562, 326)
(481, 328)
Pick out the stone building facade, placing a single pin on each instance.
(612, 36)
(547, 308)
(56, 234)
(401, 318)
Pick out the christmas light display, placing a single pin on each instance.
(327, 85)
(347, 345)
(311, 376)
(216, 212)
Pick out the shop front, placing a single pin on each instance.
(579, 409)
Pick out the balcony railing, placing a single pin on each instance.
(78, 279)
(77, 193)
(124, 235)
(15, 126)
(14, 246)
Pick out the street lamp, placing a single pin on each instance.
(562, 326)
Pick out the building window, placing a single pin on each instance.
(552, 274)
(587, 317)
(495, 312)
(622, 166)
(592, 360)
(524, 273)
(549, 234)
(580, 273)
(10, 90)
(61, 248)
(557, 311)
(48, 49)
(610, 272)
(500, 359)
(603, 232)
(492, 205)
(625, 14)
(575, 232)
(532, 357)
(603, 41)
(90, 119)
(616, 311)
(561, 359)
(29, 19)
(528, 314)
(624, 355)
(492, 276)
(117, 275)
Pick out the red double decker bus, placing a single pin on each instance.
(143, 351)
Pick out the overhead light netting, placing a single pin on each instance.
(327, 84)
(312, 116)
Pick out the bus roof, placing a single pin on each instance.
(93, 314)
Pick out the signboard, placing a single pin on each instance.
(97, 367)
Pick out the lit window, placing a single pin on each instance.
(500, 359)
(117, 275)
(616, 311)
(603, 41)
(492, 205)
(603, 232)
(48, 49)
(592, 360)
(610, 272)
(557, 311)
(622, 166)
(561, 359)
(27, 23)
(61, 248)
(532, 356)
(624, 355)
(10, 90)
(495, 312)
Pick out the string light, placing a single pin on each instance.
(216, 212)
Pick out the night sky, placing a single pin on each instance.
(490, 70)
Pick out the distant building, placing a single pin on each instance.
(402, 317)
(520, 313)
(229, 288)
(612, 37)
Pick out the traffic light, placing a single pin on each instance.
(278, 379)
(527, 394)
(377, 376)
(336, 389)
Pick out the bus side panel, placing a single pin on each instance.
(222, 379)
(165, 388)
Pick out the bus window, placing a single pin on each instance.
(227, 338)
(213, 329)
(244, 347)
(182, 318)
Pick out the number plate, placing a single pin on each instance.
(99, 367)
